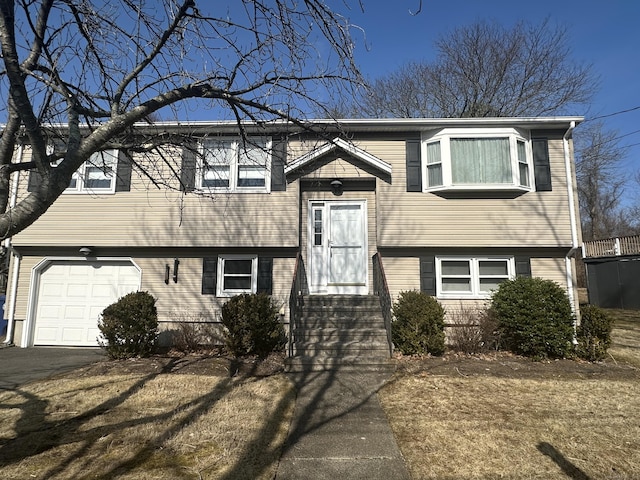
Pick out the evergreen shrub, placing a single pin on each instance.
(129, 327)
(252, 325)
(418, 325)
(593, 333)
(534, 317)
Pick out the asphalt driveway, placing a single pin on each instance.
(23, 365)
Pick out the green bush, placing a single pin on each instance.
(129, 326)
(534, 317)
(418, 326)
(594, 333)
(252, 325)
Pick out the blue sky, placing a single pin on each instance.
(604, 34)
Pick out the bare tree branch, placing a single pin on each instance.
(84, 72)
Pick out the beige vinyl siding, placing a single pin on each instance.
(176, 302)
(550, 269)
(403, 273)
(426, 219)
(183, 301)
(24, 280)
(148, 216)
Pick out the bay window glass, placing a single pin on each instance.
(434, 164)
(480, 160)
(523, 164)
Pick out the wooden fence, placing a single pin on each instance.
(612, 247)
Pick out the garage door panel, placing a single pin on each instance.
(72, 295)
(77, 290)
(73, 336)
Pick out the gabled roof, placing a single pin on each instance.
(338, 144)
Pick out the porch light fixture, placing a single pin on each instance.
(336, 187)
(86, 251)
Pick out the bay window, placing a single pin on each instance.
(459, 159)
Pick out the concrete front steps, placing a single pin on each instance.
(343, 332)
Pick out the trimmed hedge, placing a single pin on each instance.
(252, 325)
(418, 326)
(129, 327)
(534, 317)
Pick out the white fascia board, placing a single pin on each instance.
(343, 145)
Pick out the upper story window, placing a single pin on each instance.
(235, 164)
(96, 175)
(477, 159)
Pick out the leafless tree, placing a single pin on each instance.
(486, 70)
(93, 69)
(601, 183)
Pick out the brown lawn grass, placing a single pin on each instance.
(626, 336)
(160, 426)
(582, 424)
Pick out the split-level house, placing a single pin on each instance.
(365, 208)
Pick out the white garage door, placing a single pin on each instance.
(72, 295)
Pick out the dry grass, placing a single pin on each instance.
(161, 426)
(554, 426)
(626, 336)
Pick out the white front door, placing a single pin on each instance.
(338, 247)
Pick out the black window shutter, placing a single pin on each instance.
(188, 171)
(414, 166)
(123, 172)
(34, 180)
(209, 275)
(541, 164)
(265, 271)
(523, 266)
(278, 160)
(428, 275)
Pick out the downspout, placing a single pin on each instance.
(574, 226)
(16, 258)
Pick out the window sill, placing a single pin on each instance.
(479, 188)
(462, 296)
(89, 192)
(230, 190)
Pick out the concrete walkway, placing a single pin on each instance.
(340, 431)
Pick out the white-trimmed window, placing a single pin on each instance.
(472, 277)
(477, 159)
(96, 175)
(237, 274)
(233, 164)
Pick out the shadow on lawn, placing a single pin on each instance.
(50, 434)
(567, 467)
(318, 388)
